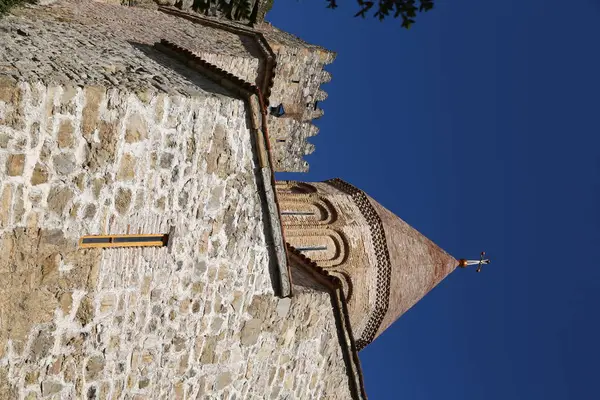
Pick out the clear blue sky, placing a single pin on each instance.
(479, 127)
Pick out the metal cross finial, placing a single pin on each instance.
(482, 261)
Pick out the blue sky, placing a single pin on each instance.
(479, 127)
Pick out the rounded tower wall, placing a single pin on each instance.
(385, 265)
(336, 236)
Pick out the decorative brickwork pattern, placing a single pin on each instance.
(383, 260)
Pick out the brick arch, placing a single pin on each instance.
(306, 210)
(294, 188)
(336, 245)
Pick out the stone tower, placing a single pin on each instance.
(146, 250)
(287, 70)
(385, 266)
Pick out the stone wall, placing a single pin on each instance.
(299, 75)
(289, 143)
(298, 78)
(111, 136)
(196, 319)
(91, 43)
(94, 43)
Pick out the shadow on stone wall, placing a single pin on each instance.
(192, 76)
(271, 234)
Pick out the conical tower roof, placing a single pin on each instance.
(385, 266)
(416, 265)
(405, 266)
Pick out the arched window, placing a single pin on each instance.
(292, 187)
(305, 210)
(302, 213)
(324, 246)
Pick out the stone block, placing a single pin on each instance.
(179, 390)
(11, 101)
(123, 200)
(85, 312)
(94, 367)
(97, 185)
(103, 151)
(93, 96)
(74, 211)
(68, 95)
(127, 168)
(79, 181)
(51, 387)
(31, 377)
(4, 140)
(66, 302)
(55, 367)
(251, 331)
(166, 160)
(64, 163)
(15, 164)
(6, 204)
(90, 211)
(58, 198)
(65, 137)
(46, 151)
(179, 343)
(34, 135)
(283, 307)
(18, 207)
(39, 175)
(161, 203)
(136, 130)
(223, 380)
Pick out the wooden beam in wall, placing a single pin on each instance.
(150, 240)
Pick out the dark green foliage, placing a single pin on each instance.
(235, 10)
(5, 5)
(269, 5)
(404, 9)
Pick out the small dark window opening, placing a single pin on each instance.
(277, 111)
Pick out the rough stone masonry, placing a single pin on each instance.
(197, 319)
(114, 47)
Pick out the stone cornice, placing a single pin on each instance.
(268, 56)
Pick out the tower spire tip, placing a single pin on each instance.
(464, 263)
